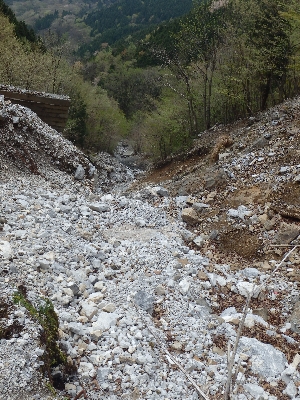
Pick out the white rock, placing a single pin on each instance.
(199, 241)
(96, 334)
(241, 212)
(92, 170)
(96, 297)
(290, 390)
(23, 203)
(65, 316)
(90, 250)
(76, 327)
(99, 207)
(221, 281)
(79, 173)
(109, 308)
(5, 249)
(256, 391)
(88, 309)
(212, 278)
(131, 349)
(68, 292)
(99, 286)
(86, 370)
(184, 286)
(138, 335)
(228, 312)
(265, 359)
(105, 321)
(70, 386)
(50, 256)
(140, 222)
(296, 361)
(290, 370)
(246, 288)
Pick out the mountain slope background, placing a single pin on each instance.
(161, 88)
(91, 23)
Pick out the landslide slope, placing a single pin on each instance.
(150, 279)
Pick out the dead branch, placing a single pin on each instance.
(242, 322)
(171, 359)
(231, 362)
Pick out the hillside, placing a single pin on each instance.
(90, 23)
(179, 283)
(149, 278)
(126, 17)
(215, 65)
(31, 11)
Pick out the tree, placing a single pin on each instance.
(76, 128)
(134, 89)
(22, 31)
(199, 41)
(193, 58)
(267, 34)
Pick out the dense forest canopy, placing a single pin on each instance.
(20, 28)
(160, 87)
(89, 23)
(127, 17)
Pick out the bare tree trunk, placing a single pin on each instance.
(192, 114)
(266, 92)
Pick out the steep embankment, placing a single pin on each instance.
(32, 145)
(154, 278)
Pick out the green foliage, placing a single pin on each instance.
(134, 89)
(199, 42)
(127, 17)
(202, 32)
(229, 59)
(20, 28)
(95, 121)
(106, 124)
(30, 11)
(46, 21)
(292, 15)
(160, 38)
(47, 318)
(221, 61)
(76, 129)
(51, 388)
(163, 132)
(266, 35)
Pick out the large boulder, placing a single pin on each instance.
(190, 216)
(265, 359)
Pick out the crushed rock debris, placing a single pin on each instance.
(126, 279)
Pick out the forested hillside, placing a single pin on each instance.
(89, 23)
(126, 17)
(30, 11)
(43, 66)
(160, 89)
(218, 63)
(20, 28)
